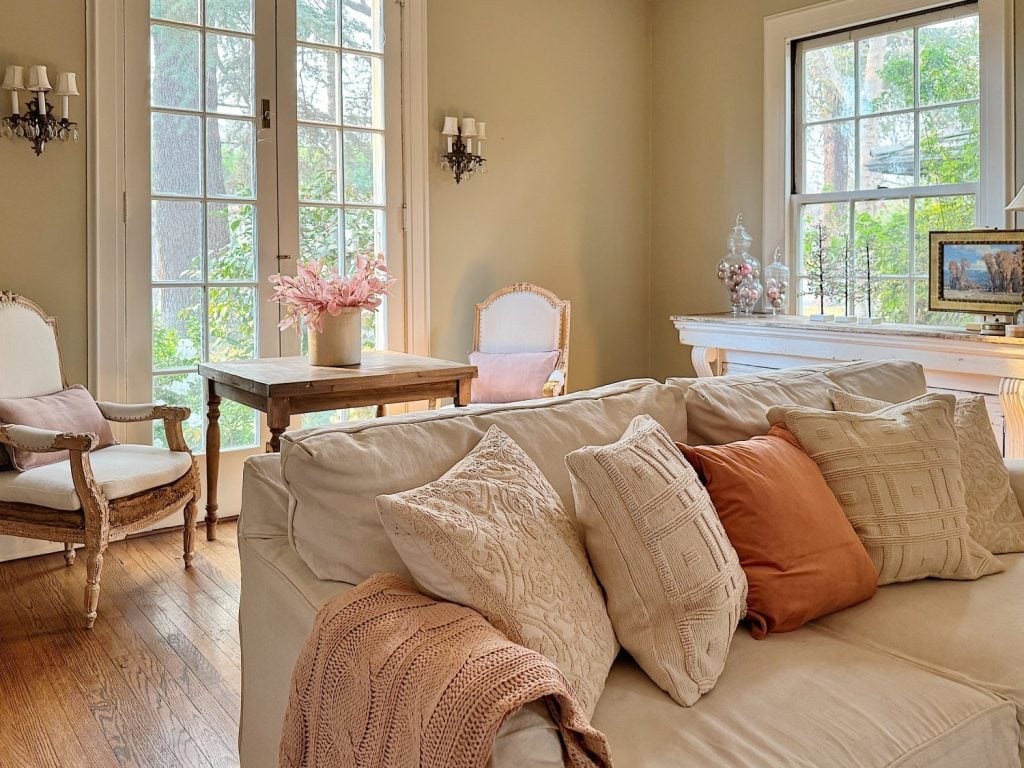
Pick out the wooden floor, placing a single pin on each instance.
(156, 682)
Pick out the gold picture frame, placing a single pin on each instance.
(979, 271)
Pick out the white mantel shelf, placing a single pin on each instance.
(953, 359)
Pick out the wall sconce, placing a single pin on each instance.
(38, 124)
(459, 158)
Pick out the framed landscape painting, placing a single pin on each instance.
(981, 271)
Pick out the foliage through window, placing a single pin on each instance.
(887, 133)
(205, 202)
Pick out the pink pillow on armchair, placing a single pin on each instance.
(510, 376)
(70, 410)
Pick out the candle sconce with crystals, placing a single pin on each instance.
(460, 158)
(37, 124)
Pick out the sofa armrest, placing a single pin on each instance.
(1016, 469)
(46, 440)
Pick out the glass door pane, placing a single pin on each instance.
(342, 140)
(207, 204)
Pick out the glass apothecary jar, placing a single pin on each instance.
(739, 271)
(776, 284)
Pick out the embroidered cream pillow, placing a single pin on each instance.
(993, 512)
(491, 534)
(674, 583)
(896, 473)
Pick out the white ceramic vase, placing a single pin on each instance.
(340, 342)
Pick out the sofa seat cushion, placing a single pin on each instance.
(334, 475)
(806, 700)
(727, 409)
(967, 631)
(120, 470)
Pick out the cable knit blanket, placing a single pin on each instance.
(390, 678)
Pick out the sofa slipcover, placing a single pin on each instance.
(334, 475)
(972, 633)
(725, 409)
(801, 699)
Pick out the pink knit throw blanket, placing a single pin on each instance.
(390, 678)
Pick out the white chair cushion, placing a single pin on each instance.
(120, 470)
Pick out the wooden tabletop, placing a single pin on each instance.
(284, 376)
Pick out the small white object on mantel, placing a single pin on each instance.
(822, 318)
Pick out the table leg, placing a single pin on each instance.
(212, 459)
(278, 416)
(463, 393)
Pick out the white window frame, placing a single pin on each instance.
(108, 337)
(783, 30)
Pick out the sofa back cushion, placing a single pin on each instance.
(334, 475)
(727, 409)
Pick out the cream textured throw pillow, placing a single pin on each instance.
(491, 534)
(896, 473)
(993, 512)
(673, 581)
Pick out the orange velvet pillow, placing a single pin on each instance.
(801, 556)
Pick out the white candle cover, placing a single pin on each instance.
(469, 145)
(42, 102)
(14, 103)
(449, 144)
(64, 107)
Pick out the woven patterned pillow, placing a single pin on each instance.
(993, 512)
(896, 473)
(674, 583)
(491, 534)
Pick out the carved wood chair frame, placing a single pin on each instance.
(99, 518)
(558, 382)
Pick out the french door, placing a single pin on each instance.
(258, 134)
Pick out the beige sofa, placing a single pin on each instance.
(929, 673)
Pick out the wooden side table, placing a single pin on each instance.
(282, 387)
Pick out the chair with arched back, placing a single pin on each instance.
(522, 333)
(78, 486)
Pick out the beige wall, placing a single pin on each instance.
(564, 88)
(43, 215)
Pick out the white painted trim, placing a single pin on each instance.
(106, 246)
(416, 196)
(996, 96)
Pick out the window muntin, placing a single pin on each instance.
(887, 140)
(203, 205)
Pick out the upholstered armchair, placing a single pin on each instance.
(524, 318)
(94, 493)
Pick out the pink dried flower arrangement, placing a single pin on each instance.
(319, 289)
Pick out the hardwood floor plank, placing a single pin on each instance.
(134, 731)
(156, 682)
(28, 642)
(195, 741)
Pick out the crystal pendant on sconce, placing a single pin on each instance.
(739, 272)
(776, 284)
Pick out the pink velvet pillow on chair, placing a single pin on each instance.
(510, 376)
(70, 410)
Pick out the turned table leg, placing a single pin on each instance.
(212, 460)
(278, 417)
